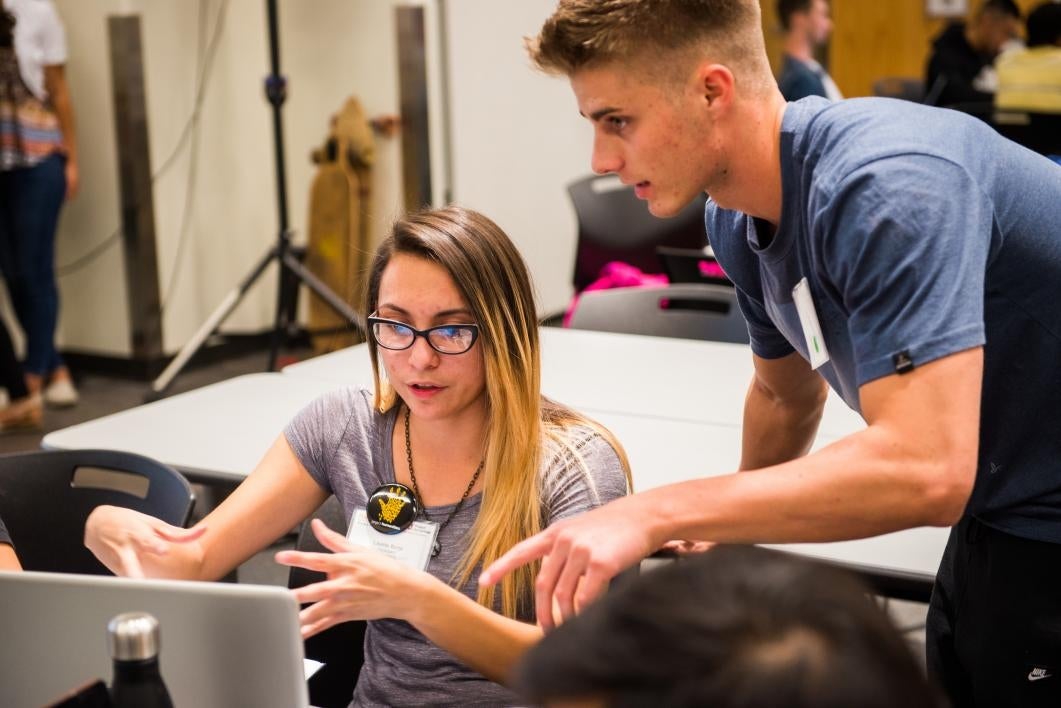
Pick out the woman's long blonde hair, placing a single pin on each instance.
(492, 277)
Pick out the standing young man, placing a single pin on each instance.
(919, 253)
(807, 27)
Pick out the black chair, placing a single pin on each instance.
(905, 88)
(692, 311)
(614, 225)
(46, 496)
(340, 648)
(691, 265)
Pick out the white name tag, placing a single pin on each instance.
(808, 319)
(411, 547)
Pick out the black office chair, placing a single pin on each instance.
(691, 265)
(905, 88)
(614, 225)
(340, 648)
(45, 497)
(691, 311)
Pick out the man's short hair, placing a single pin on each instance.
(737, 626)
(1007, 8)
(787, 8)
(1044, 24)
(583, 33)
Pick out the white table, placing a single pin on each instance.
(654, 377)
(218, 433)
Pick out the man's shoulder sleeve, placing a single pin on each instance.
(904, 247)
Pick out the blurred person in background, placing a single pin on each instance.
(38, 170)
(807, 28)
(1030, 80)
(961, 66)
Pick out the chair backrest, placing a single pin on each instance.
(691, 265)
(903, 87)
(339, 648)
(692, 311)
(45, 497)
(614, 225)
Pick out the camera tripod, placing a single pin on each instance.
(289, 265)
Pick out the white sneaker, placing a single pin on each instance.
(61, 393)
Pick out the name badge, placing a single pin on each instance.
(808, 320)
(411, 546)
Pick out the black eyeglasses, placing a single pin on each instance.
(444, 339)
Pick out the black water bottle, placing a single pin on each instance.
(133, 641)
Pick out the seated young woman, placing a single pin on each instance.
(458, 421)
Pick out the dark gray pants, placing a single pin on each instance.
(994, 622)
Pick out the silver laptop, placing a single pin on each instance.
(222, 644)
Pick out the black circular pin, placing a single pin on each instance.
(392, 508)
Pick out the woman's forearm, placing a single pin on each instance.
(484, 640)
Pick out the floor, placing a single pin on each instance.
(103, 395)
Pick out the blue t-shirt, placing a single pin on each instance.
(797, 80)
(921, 233)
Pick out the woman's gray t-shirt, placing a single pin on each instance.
(346, 446)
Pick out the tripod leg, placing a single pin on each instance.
(159, 385)
(324, 292)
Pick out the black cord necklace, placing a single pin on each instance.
(416, 490)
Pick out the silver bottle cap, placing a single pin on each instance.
(133, 636)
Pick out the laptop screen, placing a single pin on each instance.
(221, 644)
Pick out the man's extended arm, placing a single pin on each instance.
(914, 465)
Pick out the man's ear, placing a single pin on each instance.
(716, 84)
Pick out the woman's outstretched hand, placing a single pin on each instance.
(133, 544)
(362, 584)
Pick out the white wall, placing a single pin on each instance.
(516, 141)
(329, 49)
(94, 314)
(517, 137)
